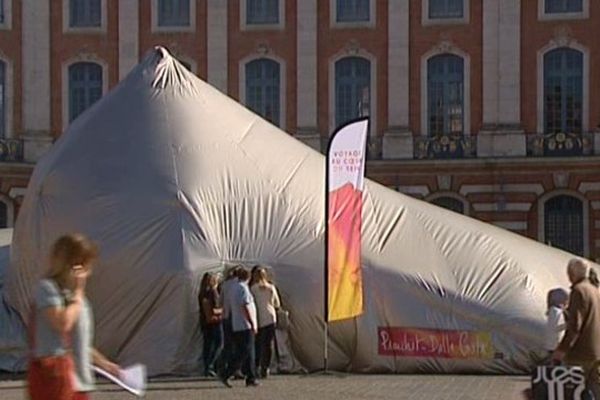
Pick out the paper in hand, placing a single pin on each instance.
(132, 379)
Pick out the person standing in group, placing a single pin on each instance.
(581, 343)
(210, 321)
(61, 326)
(556, 301)
(267, 303)
(226, 293)
(244, 327)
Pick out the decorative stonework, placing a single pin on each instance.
(352, 47)
(263, 49)
(444, 46)
(444, 182)
(560, 144)
(561, 179)
(445, 146)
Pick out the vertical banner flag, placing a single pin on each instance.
(345, 181)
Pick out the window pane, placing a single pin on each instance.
(2, 99)
(445, 95)
(352, 89)
(85, 87)
(563, 91)
(446, 9)
(262, 11)
(352, 10)
(173, 12)
(3, 215)
(85, 13)
(450, 203)
(563, 6)
(564, 224)
(263, 89)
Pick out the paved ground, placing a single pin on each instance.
(337, 387)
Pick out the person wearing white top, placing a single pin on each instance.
(267, 302)
(555, 318)
(244, 327)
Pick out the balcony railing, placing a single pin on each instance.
(445, 147)
(11, 150)
(560, 144)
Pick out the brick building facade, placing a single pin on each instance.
(488, 107)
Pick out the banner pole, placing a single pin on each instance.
(326, 262)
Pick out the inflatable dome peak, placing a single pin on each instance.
(172, 179)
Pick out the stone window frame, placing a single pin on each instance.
(245, 26)
(446, 48)
(543, 16)
(371, 23)
(464, 20)
(586, 215)
(362, 53)
(553, 45)
(7, 23)
(8, 96)
(66, 17)
(91, 58)
(155, 28)
(453, 195)
(282, 82)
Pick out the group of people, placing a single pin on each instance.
(238, 319)
(573, 323)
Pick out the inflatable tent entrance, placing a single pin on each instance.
(173, 178)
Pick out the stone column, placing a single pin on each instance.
(129, 31)
(398, 140)
(216, 31)
(501, 135)
(37, 137)
(306, 68)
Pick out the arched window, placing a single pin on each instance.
(563, 91)
(262, 89)
(352, 89)
(85, 13)
(563, 6)
(2, 99)
(450, 203)
(262, 11)
(563, 223)
(352, 10)
(85, 87)
(445, 95)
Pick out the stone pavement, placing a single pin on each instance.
(331, 387)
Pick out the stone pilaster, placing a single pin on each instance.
(398, 140)
(306, 106)
(37, 137)
(129, 30)
(217, 44)
(501, 135)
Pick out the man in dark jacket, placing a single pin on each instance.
(581, 343)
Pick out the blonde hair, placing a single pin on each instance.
(69, 250)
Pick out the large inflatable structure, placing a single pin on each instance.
(172, 179)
